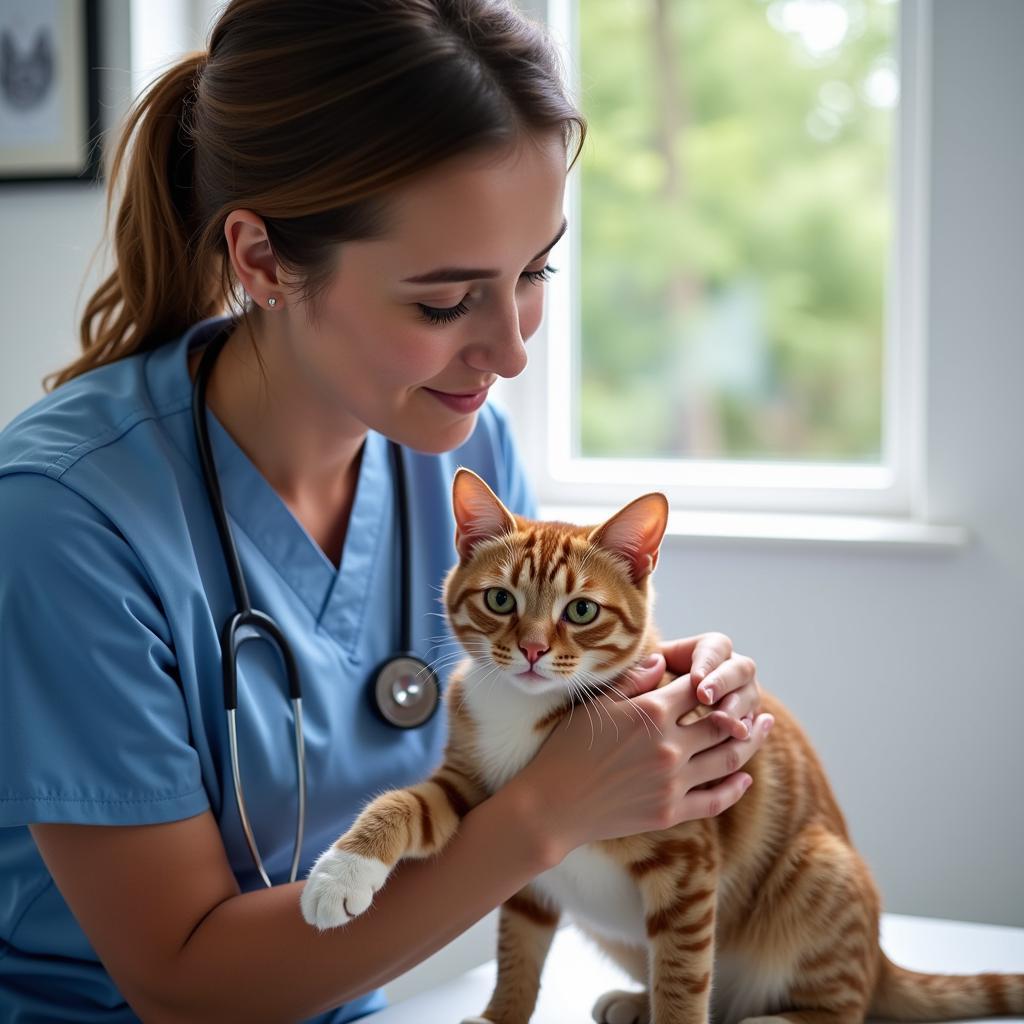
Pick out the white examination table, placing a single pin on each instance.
(575, 973)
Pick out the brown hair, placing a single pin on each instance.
(306, 112)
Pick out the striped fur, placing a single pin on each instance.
(763, 913)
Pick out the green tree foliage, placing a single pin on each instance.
(735, 226)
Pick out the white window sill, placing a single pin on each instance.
(858, 531)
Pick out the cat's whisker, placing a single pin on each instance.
(629, 706)
(446, 660)
(595, 699)
(572, 708)
(588, 700)
(449, 658)
(456, 650)
(442, 640)
(644, 716)
(437, 666)
(649, 722)
(591, 717)
(495, 670)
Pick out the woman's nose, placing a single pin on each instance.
(503, 347)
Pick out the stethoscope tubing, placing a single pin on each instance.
(247, 623)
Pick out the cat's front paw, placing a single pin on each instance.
(340, 886)
(619, 1007)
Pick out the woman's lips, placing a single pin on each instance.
(461, 403)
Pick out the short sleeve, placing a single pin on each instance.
(517, 495)
(93, 723)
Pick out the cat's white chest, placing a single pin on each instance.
(588, 884)
(506, 740)
(598, 893)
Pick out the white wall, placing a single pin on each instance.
(904, 665)
(49, 234)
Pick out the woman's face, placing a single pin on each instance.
(375, 354)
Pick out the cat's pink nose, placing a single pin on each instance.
(533, 652)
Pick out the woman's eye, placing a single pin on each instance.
(499, 600)
(432, 315)
(436, 315)
(536, 276)
(582, 612)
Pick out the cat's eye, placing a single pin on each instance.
(499, 600)
(582, 612)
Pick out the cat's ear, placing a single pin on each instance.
(635, 533)
(479, 514)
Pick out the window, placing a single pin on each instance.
(735, 320)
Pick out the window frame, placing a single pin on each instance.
(894, 488)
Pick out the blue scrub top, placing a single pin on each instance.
(113, 593)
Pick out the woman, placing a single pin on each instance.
(383, 181)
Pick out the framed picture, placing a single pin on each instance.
(49, 98)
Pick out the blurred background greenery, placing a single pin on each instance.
(736, 219)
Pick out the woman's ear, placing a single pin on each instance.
(479, 514)
(252, 257)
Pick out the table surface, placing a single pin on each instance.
(576, 972)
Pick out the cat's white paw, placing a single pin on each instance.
(340, 886)
(619, 1007)
(476, 1020)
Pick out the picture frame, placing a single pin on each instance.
(49, 92)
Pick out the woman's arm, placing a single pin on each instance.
(161, 907)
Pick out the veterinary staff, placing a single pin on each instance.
(359, 200)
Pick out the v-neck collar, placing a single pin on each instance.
(336, 598)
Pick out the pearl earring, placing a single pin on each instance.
(271, 301)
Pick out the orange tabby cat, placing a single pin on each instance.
(763, 913)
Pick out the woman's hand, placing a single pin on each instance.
(708, 664)
(622, 765)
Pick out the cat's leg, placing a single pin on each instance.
(820, 905)
(526, 927)
(618, 1006)
(413, 822)
(678, 886)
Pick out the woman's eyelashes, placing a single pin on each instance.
(435, 315)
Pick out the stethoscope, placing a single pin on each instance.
(405, 692)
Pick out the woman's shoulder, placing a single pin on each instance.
(76, 418)
(115, 436)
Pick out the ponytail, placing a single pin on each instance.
(160, 284)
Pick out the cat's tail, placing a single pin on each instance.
(908, 995)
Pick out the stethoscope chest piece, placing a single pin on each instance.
(406, 691)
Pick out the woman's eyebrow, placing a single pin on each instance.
(450, 274)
